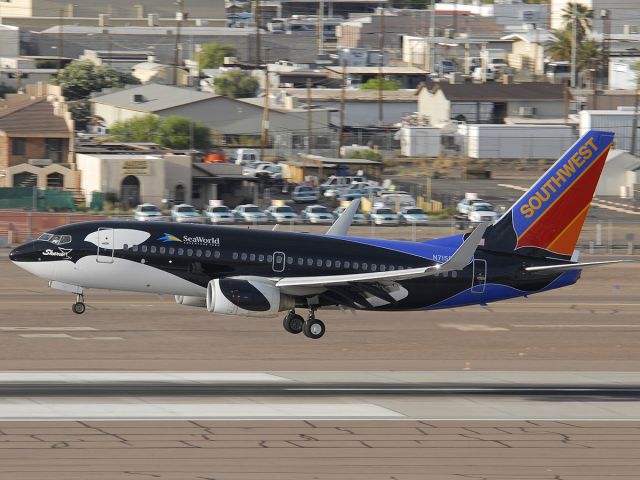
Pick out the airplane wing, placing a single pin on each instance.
(572, 266)
(457, 261)
(341, 226)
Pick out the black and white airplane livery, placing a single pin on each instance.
(235, 271)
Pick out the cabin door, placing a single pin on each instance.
(106, 243)
(479, 276)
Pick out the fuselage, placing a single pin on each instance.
(180, 259)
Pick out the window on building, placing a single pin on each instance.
(54, 149)
(55, 180)
(18, 146)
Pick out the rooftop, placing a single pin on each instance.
(352, 95)
(155, 97)
(497, 92)
(34, 116)
(398, 70)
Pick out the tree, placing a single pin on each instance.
(79, 79)
(373, 83)
(172, 132)
(212, 55)
(584, 18)
(366, 154)
(236, 84)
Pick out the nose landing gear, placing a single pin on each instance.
(312, 328)
(79, 307)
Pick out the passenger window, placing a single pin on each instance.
(172, 251)
(318, 262)
(207, 253)
(163, 250)
(181, 251)
(347, 264)
(309, 262)
(289, 260)
(365, 265)
(391, 267)
(243, 257)
(189, 252)
(235, 255)
(454, 274)
(383, 268)
(338, 263)
(327, 264)
(135, 248)
(269, 258)
(300, 261)
(261, 258)
(125, 247)
(198, 253)
(374, 267)
(153, 249)
(216, 254)
(144, 249)
(252, 257)
(356, 265)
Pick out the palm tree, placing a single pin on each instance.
(584, 18)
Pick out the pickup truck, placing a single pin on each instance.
(478, 212)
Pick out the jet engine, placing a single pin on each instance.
(191, 301)
(230, 296)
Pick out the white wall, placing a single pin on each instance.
(622, 75)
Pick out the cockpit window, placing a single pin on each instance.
(55, 239)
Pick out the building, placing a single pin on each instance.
(227, 117)
(621, 174)
(9, 40)
(406, 77)
(134, 178)
(361, 107)
(490, 102)
(528, 50)
(206, 9)
(16, 72)
(222, 181)
(36, 140)
(620, 122)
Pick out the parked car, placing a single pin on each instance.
(464, 205)
(384, 216)
(359, 190)
(245, 156)
(250, 213)
(397, 200)
(269, 171)
(218, 214)
(250, 169)
(358, 218)
(304, 194)
(413, 216)
(282, 214)
(317, 214)
(482, 212)
(147, 212)
(335, 183)
(185, 213)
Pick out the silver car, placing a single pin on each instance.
(304, 194)
(282, 214)
(317, 214)
(250, 213)
(185, 213)
(219, 214)
(413, 216)
(147, 212)
(384, 216)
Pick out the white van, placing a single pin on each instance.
(245, 156)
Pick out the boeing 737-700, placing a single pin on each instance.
(234, 271)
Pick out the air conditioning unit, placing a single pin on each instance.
(527, 111)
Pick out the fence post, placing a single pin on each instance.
(599, 233)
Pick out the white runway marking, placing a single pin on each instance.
(65, 336)
(119, 411)
(70, 376)
(472, 327)
(576, 325)
(48, 329)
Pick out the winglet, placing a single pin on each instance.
(341, 226)
(462, 256)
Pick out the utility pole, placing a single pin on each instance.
(574, 42)
(342, 92)
(18, 81)
(60, 39)
(309, 138)
(432, 34)
(634, 125)
(565, 100)
(380, 63)
(265, 111)
(606, 31)
(256, 16)
(181, 15)
(321, 27)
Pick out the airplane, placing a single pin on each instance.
(235, 271)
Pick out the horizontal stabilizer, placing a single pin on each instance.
(572, 266)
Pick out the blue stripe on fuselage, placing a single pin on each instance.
(438, 250)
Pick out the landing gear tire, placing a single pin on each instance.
(314, 328)
(78, 308)
(293, 323)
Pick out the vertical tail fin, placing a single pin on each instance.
(548, 218)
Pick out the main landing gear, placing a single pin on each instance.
(312, 328)
(79, 307)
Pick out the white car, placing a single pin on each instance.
(185, 213)
(464, 205)
(218, 214)
(282, 214)
(384, 216)
(304, 194)
(482, 213)
(413, 216)
(317, 214)
(250, 213)
(147, 212)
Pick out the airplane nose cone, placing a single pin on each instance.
(15, 254)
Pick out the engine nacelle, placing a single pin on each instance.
(191, 301)
(229, 296)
